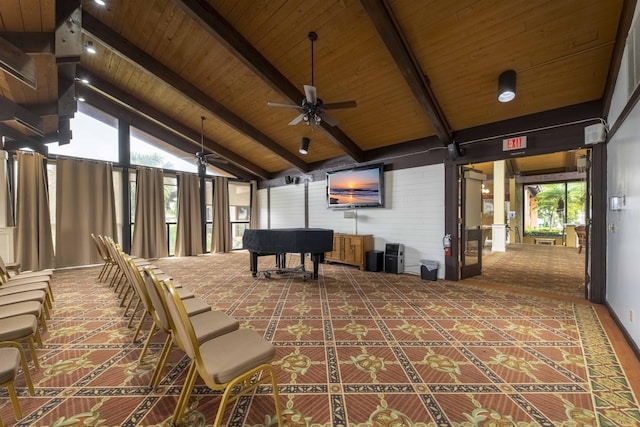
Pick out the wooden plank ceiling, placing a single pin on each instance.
(417, 69)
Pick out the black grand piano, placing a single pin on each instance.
(280, 241)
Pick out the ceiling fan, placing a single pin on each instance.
(312, 108)
(203, 158)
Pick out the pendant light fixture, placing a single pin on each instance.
(507, 86)
(304, 145)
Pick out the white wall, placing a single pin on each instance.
(623, 179)
(413, 214)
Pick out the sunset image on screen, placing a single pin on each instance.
(354, 187)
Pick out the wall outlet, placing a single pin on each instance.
(612, 228)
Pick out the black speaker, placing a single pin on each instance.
(455, 150)
(394, 258)
(375, 261)
(395, 249)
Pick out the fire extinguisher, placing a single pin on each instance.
(446, 243)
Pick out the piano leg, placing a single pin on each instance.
(253, 263)
(316, 258)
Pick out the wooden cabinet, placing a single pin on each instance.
(350, 249)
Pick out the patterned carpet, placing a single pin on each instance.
(354, 348)
(528, 267)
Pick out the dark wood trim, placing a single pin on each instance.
(192, 143)
(451, 196)
(127, 50)
(218, 27)
(17, 63)
(598, 243)
(389, 30)
(32, 43)
(124, 150)
(19, 141)
(11, 110)
(624, 25)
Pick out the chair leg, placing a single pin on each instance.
(189, 382)
(155, 380)
(133, 314)
(276, 395)
(14, 400)
(147, 341)
(139, 328)
(34, 355)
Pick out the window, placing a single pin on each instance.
(147, 150)
(239, 211)
(549, 207)
(95, 136)
(171, 211)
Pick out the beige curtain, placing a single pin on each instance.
(221, 224)
(34, 245)
(189, 235)
(149, 231)
(254, 205)
(85, 204)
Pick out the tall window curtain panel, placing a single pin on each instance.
(254, 205)
(34, 246)
(149, 230)
(221, 224)
(189, 233)
(85, 204)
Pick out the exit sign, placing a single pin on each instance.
(515, 143)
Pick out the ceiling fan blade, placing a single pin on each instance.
(337, 105)
(297, 120)
(330, 120)
(310, 93)
(277, 104)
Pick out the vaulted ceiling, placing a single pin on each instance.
(418, 70)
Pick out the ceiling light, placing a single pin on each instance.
(100, 2)
(507, 86)
(89, 47)
(304, 145)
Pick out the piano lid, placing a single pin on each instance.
(293, 240)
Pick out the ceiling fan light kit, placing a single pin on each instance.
(312, 108)
(507, 86)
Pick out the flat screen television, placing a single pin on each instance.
(358, 187)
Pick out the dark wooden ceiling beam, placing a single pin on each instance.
(389, 30)
(17, 63)
(18, 141)
(215, 24)
(190, 137)
(145, 61)
(10, 111)
(30, 42)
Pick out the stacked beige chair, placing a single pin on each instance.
(25, 282)
(23, 327)
(119, 278)
(26, 307)
(108, 264)
(235, 363)
(12, 357)
(207, 324)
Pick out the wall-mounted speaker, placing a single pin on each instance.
(288, 179)
(595, 134)
(455, 150)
